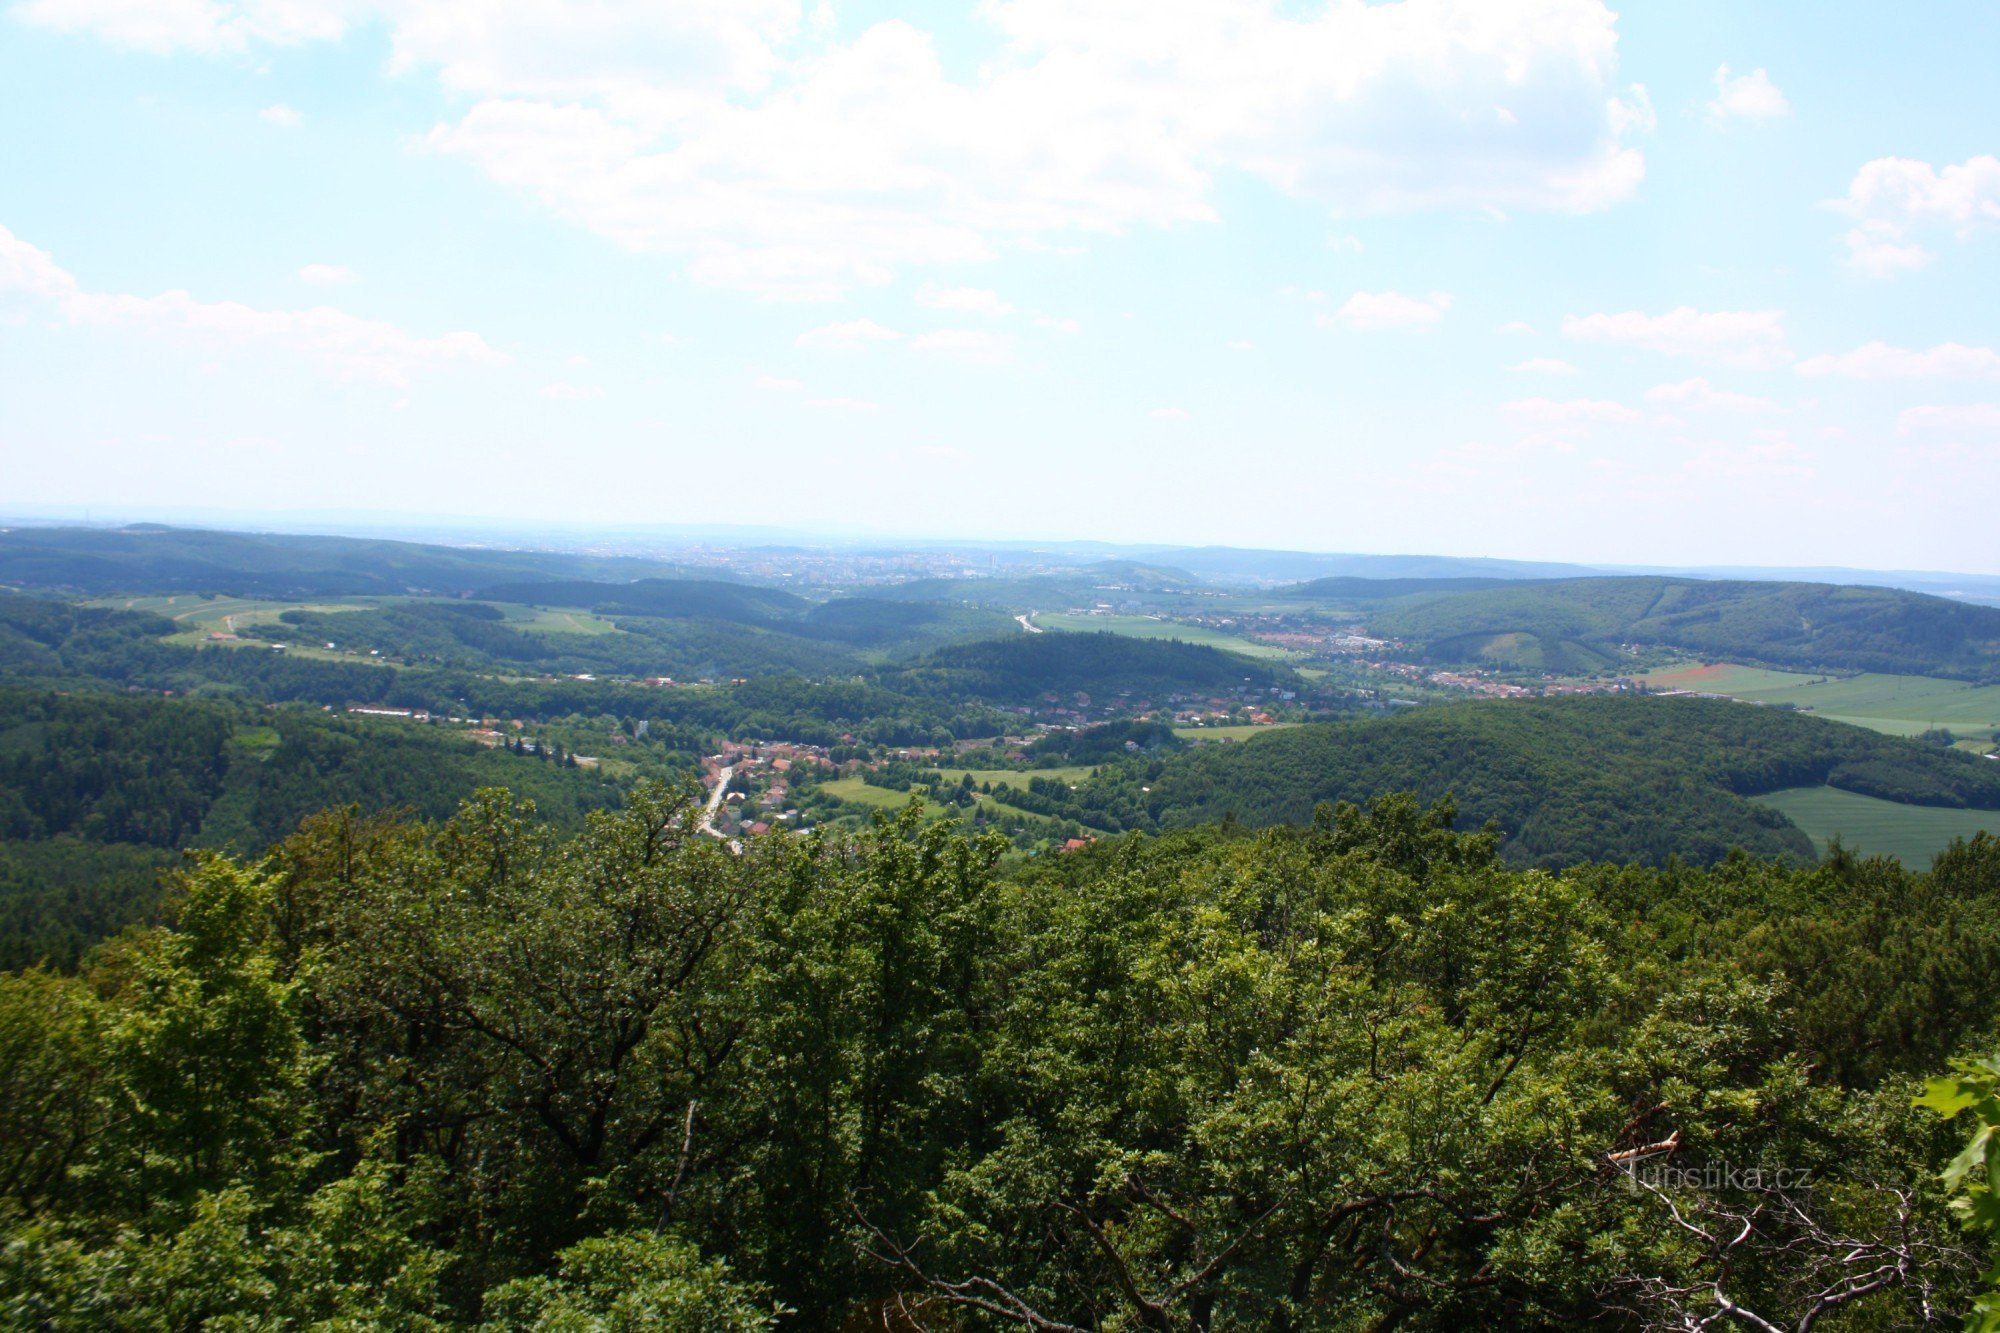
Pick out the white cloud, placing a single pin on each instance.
(779, 384)
(1240, 345)
(847, 335)
(1881, 255)
(1969, 418)
(1698, 392)
(972, 345)
(1169, 414)
(1515, 327)
(1560, 414)
(348, 345)
(965, 300)
(1880, 361)
(1903, 190)
(1892, 197)
(327, 275)
(1749, 96)
(1344, 244)
(779, 156)
(1546, 365)
(1391, 310)
(841, 404)
(1736, 337)
(572, 393)
(284, 117)
(1059, 324)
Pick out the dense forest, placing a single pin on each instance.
(1028, 667)
(1354, 1075)
(1580, 624)
(1599, 778)
(98, 792)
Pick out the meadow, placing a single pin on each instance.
(1897, 705)
(1229, 733)
(1152, 627)
(1913, 834)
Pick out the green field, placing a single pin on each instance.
(1018, 776)
(199, 617)
(553, 620)
(856, 792)
(1913, 834)
(1898, 705)
(1234, 733)
(1152, 627)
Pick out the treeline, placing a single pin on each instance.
(1601, 778)
(1355, 1074)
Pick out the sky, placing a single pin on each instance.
(1682, 283)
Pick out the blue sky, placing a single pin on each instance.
(1684, 283)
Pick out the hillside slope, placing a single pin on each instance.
(1806, 626)
(1620, 778)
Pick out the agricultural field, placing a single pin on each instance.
(553, 620)
(1913, 834)
(1152, 627)
(856, 792)
(1898, 705)
(1019, 777)
(1231, 733)
(200, 617)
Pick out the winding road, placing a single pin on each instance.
(715, 798)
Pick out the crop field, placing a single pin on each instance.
(1152, 627)
(200, 617)
(1898, 705)
(1913, 834)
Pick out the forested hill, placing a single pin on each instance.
(99, 791)
(1028, 667)
(149, 557)
(1576, 624)
(1601, 778)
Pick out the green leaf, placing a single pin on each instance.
(1970, 1160)
(1949, 1096)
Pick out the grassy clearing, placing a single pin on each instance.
(1017, 776)
(856, 792)
(554, 620)
(1233, 733)
(1913, 834)
(1151, 627)
(1898, 705)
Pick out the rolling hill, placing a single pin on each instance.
(1621, 778)
(1029, 667)
(1579, 624)
(148, 557)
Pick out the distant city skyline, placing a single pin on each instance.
(1551, 280)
